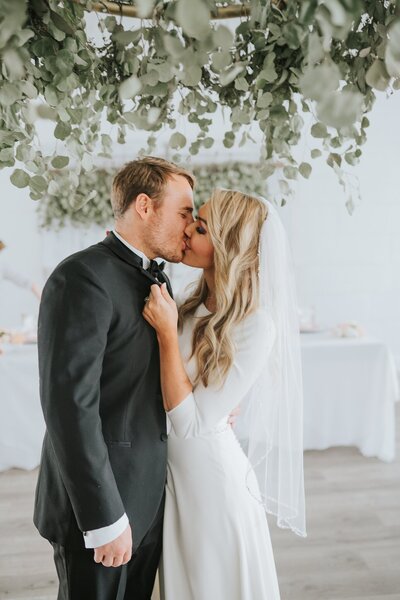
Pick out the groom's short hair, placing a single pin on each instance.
(147, 175)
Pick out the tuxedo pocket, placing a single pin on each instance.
(118, 444)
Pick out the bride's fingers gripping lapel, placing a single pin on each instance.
(160, 310)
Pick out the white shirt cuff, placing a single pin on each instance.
(104, 535)
(183, 417)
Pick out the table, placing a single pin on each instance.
(21, 420)
(350, 389)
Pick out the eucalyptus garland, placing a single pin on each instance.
(322, 57)
(70, 207)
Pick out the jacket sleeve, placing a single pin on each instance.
(75, 316)
(205, 407)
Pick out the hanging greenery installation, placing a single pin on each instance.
(293, 67)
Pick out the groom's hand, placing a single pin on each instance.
(115, 553)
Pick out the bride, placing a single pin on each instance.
(233, 341)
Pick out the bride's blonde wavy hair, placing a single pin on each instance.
(234, 223)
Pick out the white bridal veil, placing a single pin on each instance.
(270, 425)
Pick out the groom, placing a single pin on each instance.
(100, 492)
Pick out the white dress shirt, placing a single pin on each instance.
(104, 535)
(146, 261)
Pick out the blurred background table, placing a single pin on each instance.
(350, 388)
(21, 421)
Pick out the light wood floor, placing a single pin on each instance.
(352, 551)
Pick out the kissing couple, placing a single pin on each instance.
(146, 463)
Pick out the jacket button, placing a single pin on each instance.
(163, 437)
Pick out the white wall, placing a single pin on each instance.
(18, 231)
(347, 266)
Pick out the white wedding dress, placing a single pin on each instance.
(216, 539)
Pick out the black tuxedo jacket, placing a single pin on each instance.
(104, 451)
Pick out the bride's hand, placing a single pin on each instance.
(161, 311)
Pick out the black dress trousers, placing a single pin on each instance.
(83, 579)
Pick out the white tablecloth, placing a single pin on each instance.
(350, 387)
(21, 421)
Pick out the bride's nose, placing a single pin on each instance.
(189, 229)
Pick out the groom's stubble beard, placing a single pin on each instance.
(164, 243)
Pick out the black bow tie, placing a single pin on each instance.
(155, 269)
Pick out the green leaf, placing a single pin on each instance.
(79, 200)
(173, 46)
(241, 84)
(29, 89)
(229, 139)
(290, 172)
(392, 53)
(194, 148)
(56, 33)
(130, 87)
(14, 64)
(265, 100)
(192, 76)
(221, 60)
(20, 178)
(315, 153)
(61, 23)
(351, 158)
(377, 76)
(365, 122)
(7, 155)
(126, 37)
(38, 184)
(228, 76)
(144, 8)
(62, 131)
(318, 81)
(53, 188)
(51, 96)
(9, 94)
(65, 62)
(341, 108)
(59, 162)
(364, 52)
(305, 170)
(177, 141)
(223, 37)
(334, 159)
(208, 142)
(194, 18)
(284, 186)
(269, 74)
(87, 162)
(319, 130)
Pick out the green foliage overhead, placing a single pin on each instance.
(84, 207)
(322, 57)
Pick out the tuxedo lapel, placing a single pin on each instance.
(118, 248)
(162, 277)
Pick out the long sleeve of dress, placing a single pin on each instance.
(204, 408)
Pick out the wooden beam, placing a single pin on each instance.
(126, 10)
